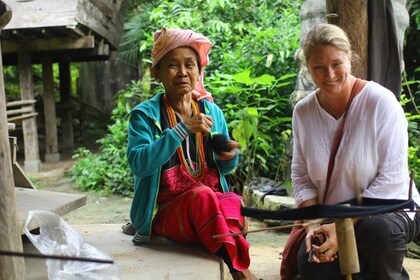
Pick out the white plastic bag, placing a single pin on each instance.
(56, 237)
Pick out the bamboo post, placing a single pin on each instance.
(10, 231)
(347, 249)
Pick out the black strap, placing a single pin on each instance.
(369, 207)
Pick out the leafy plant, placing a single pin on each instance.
(413, 118)
(108, 171)
(255, 110)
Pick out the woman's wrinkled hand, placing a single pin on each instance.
(199, 123)
(325, 252)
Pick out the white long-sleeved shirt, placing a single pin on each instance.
(372, 156)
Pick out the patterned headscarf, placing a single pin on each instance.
(168, 39)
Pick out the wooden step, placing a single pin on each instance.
(55, 202)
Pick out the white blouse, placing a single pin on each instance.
(372, 156)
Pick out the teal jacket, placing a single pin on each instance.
(149, 148)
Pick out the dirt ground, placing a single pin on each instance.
(265, 248)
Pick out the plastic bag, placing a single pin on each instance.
(56, 237)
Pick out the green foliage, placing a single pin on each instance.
(251, 76)
(410, 90)
(251, 72)
(12, 87)
(260, 120)
(11, 82)
(254, 42)
(108, 171)
(412, 40)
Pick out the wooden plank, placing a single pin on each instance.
(19, 177)
(106, 7)
(53, 44)
(55, 202)
(20, 103)
(21, 180)
(23, 110)
(109, 28)
(45, 13)
(22, 117)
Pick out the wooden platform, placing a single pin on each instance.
(154, 261)
(55, 202)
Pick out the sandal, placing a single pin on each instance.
(129, 229)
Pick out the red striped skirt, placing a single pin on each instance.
(200, 213)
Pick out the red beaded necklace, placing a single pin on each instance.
(199, 170)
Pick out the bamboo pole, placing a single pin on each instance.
(347, 249)
(317, 221)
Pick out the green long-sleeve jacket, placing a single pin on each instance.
(149, 148)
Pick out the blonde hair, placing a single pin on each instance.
(325, 34)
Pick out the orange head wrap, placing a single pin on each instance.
(167, 39)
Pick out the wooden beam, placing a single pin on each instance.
(19, 111)
(10, 229)
(105, 8)
(53, 44)
(20, 103)
(22, 117)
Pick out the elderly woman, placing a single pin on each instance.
(179, 164)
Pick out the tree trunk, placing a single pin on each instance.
(352, 16)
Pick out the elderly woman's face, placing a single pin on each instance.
(329, 68)
(178, 71)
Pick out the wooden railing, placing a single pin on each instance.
(19, 110)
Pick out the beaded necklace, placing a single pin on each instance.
(199, 170)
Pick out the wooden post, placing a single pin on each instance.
(66, 102)
(352, 16)
(30, 133)
(10, 231)
(51, 142)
